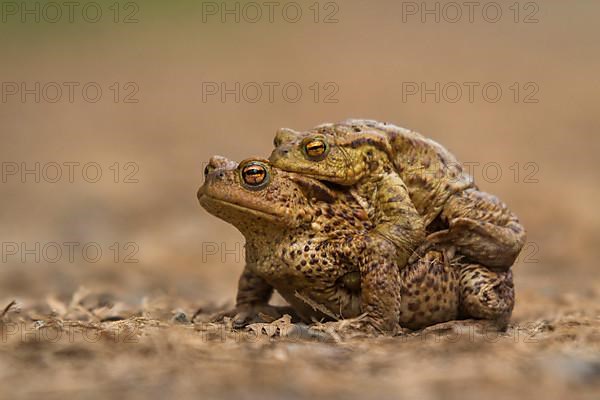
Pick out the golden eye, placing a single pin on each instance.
(316, 148)
(255, 174)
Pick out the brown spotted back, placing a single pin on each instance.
(431, 173)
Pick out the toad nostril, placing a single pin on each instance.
(221, 175)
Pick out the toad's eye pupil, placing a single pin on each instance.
(254, 174)
(315, 148)
(206, 170)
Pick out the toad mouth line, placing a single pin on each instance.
(237, 206)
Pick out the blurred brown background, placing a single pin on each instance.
(368, 55)
(365, 62)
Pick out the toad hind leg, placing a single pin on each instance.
(481, 227)
(486, 294)
(429, 292)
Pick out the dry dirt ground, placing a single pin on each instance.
(93, 346)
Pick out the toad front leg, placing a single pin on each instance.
(252, 300)
(380, 283)
(396, 217)
(481, 227)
